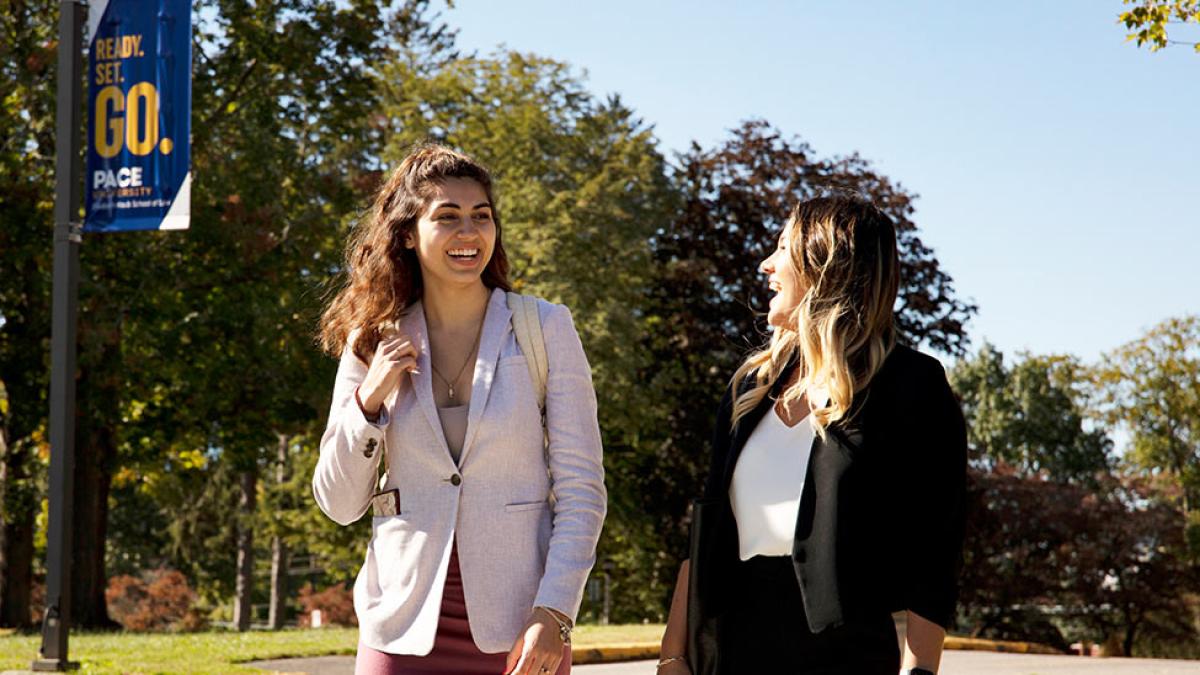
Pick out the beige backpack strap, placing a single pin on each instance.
(527, 325)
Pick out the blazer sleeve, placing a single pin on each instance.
(351, 446)
(576, 466)
(714, 487)
(935, 492)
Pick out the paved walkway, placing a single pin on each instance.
(975, 663)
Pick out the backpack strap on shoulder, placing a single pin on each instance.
(527, 325)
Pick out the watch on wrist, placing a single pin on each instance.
(917, 671)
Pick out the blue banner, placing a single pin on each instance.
(139, 115)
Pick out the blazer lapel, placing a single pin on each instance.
(497, 324)
(422, 380)
(741, 434)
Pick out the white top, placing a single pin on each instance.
(767, 483)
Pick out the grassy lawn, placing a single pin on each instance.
(590, 636)
(222, 652)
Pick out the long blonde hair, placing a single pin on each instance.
(382, 277)
(843, 252)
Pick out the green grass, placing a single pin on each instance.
(224, 652)
(590, 636)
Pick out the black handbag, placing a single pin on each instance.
(703, 585)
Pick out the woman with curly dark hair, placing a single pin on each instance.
(492, 498)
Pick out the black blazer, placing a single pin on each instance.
(881, 516)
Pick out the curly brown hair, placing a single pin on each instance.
(381, 276)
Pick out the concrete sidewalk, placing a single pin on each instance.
(962, 655)
(648, 651)
(973, 662)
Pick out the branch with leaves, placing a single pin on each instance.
(1147, 21)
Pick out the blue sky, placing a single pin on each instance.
(1058, 166)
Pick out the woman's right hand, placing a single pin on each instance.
(394, 355)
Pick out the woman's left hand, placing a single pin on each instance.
(539, 648)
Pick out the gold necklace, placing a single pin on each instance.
(449, 384)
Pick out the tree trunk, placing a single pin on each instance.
(279, 553)
(16, 573)
(97, 414)
(16, 540)
(93, 478)
(1127, 640)
(26, 383)
(279, 561)
(248, 481)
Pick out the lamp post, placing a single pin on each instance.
(56, 623)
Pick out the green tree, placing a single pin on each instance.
(224, 364)
(196, 342)
(27, 78)
(1151, 387)
(1032, 415)
(1147, 21)
(1056, 562)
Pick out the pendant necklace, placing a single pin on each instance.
(449, 384)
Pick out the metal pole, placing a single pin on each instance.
(67, 228)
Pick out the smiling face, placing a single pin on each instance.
(784, 279)
(455, 234)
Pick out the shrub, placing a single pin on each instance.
(335, 602)
(158, 600)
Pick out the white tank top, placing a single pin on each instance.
(766, 487)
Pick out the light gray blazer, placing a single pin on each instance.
(513, 551)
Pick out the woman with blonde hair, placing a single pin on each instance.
(486, 518)
(837, 479)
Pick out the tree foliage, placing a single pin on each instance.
(284, 94)
(1032, 415)
(28, 43)
(1151, 387)
(1066, 540)
(1147, 21)
(1055, 562)
(195, 348)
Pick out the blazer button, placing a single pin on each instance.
(456, 480)
(371, 445)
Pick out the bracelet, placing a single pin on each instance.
(669, 659)
(564, 628)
